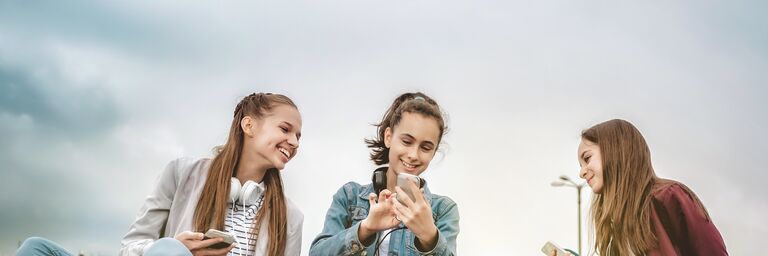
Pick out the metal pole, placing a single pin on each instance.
(578, 189)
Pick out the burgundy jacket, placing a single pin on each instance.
(681, 224)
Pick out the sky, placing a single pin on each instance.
(96, 97)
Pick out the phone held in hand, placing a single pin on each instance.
(550, 247)
(402, 180)
(228, 238)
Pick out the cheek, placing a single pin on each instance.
(426, 157)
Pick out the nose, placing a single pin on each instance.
(412, 153)
(583, 172)
(293, 141)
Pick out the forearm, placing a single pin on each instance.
(343, 242)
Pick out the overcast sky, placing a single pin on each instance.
(96, 97)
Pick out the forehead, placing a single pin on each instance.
(585, 145)
(419, 126)
(284, 113)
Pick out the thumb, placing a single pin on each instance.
(372, 198)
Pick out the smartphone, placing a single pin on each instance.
(550, 247)
(228, 238)
(402, 178)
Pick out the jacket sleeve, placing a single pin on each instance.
(447, 230)
(296, 223)
(337, 238)
(152, 217)
(693, 231)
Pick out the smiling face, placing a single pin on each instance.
(591, 164)
(272, 140)
(412, 143)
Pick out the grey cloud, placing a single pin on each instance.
(54, 106)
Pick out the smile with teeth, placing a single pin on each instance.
(407, 165)
(285, 152)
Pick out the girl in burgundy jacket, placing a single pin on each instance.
(634, 212)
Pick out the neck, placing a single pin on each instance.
(391, 180)
(251, 169)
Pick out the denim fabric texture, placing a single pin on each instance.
(350, 206)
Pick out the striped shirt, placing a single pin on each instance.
(240, 222)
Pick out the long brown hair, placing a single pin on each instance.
(415, 102)
(621, 212)
(212, 205)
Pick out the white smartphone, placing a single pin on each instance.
(228, 238)
(550, 247)
(402, 178)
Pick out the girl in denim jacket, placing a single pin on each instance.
(359, 220)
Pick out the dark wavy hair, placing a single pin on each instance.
(415, 102)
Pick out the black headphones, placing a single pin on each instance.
(379, 180)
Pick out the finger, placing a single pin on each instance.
(220, 251)
(403, 197)
(385, 194)
(402, 209)
(188, 235)
(208, 242)
(390, 201)
(417, 193)
(399, 214)
(372, 198)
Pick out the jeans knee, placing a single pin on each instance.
(35, 241)
(168, 246)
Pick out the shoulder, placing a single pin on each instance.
(186, 166)
(676, 197)
(349, 190)
(670, 190)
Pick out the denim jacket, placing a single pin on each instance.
(350, 206)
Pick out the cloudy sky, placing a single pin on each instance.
(97, 96)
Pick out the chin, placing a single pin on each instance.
(278, 165)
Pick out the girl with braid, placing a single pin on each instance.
(239, 192)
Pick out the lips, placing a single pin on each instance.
(286, 153)
(409, 167)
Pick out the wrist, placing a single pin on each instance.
(428, 240)
(364, 233)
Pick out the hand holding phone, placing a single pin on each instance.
(228, 238)
(402, 180)
(550, 247)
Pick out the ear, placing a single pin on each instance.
(387, 137)
(246, 124)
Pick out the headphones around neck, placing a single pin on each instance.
(379, 180)
(247, 194)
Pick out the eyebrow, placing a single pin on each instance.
(298, 134)
(413, 138)
(582, 154)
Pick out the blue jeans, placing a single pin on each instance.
(38, 246)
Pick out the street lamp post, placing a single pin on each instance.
(565, 181)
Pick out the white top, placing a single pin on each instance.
(239, 221)
(172, 205)
(384, 246)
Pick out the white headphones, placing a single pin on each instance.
(246, 194)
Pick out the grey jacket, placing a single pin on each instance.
(170, 208)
